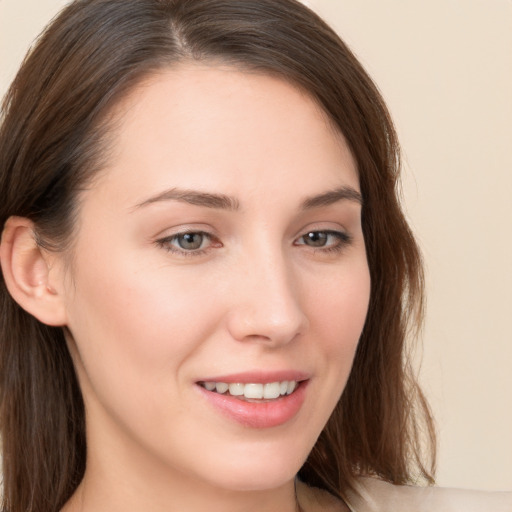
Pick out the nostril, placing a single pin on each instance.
(266, 327)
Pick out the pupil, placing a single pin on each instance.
(191, 241)
(316, 238)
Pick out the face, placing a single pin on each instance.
(221, 247)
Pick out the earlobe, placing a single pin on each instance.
(28, 273)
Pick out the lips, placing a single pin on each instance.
(256, 399)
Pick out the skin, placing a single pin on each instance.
(148, 319)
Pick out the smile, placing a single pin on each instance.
(252, 391)
(256, 404)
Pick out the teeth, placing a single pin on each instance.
(271, 390)
(253, 391)
(221, 387)
(236, 389)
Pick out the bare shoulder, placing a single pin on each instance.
(312, 499)
(377, 496)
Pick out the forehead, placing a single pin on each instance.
(204, 126)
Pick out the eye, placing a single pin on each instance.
(189, 243)
(328, 240)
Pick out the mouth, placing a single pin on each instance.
(253, 391)
(256, 404)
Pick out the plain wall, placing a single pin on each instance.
(445, 69)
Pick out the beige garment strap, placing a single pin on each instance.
(313, 499)
(374, 495)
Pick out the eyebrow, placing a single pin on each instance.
(224, 202)
(197, 198)
(330, 197)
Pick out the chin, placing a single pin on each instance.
(256, 472)
(255, 481)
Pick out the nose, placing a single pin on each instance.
(266, 303)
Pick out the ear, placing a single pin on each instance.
(31, 274)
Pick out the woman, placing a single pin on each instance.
(207, 275)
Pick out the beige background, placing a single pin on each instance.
(445, 69)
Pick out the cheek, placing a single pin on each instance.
(339, 311)
(338, 315)
(137, 321)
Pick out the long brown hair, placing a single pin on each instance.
(52, 140)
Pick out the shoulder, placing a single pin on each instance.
(312, 499)
(377, 496)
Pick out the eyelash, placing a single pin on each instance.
(342, 241)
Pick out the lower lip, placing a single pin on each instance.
(258, 414)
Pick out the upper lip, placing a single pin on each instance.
(259, 376)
